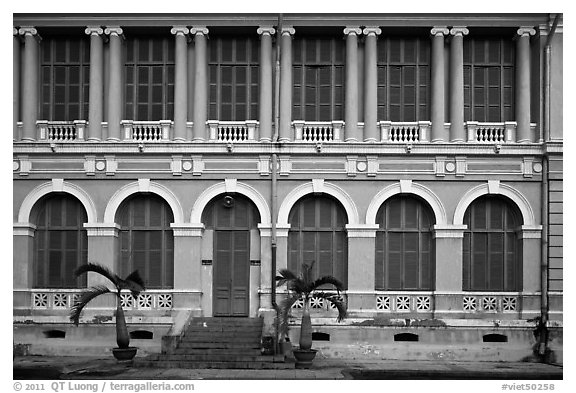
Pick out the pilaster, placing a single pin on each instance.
(437, 103)
(115, 92)
(96, 98)
(371, 84)
(200, 82)
(265, 115)
(30, 83)
(351, 93)
(180, 82)
(361, 265)
(15, 83)
(457, 132)
(522, 87)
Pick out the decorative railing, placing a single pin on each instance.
(232, 131)
(146, 131)
(61, 131)
(317, 131)
(405, 132)
(475, 303)
(503, 132)
(64, 299)
(404, 303)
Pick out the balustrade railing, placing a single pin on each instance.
(500, 132)
(317, 131)
(147, 131)
(61, 131)
(404, 132)
(232, 131)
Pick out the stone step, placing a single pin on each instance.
(222, 345)
(216, 365)
(222, 339)
(230, 321)
(219, 351)
(210, 357)
(208, 333)
(225, 329)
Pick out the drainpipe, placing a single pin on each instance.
(275, 179)
(544, 307)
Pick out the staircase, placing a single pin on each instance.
(219, 342)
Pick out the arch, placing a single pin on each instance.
(318, 186)
(230, 185)
(57, 185)
(143, 185)
(495, 187)
(407, 187)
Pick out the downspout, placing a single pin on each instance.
(544, 306)
(274, 201)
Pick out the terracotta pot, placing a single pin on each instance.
(304, 357)
(124, 353)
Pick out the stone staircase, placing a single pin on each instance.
(219, 342)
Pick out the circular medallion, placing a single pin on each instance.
(186, 165)
(100, 165)
(361, 166)
(15, 165)
(537, 167)
(450, 166)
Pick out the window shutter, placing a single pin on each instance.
(394, 270)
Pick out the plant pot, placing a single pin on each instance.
(123, 354)
(304, 357)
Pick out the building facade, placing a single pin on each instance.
(418, 159)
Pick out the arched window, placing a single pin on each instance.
(60, 242)
(317, 233)
(404, 247)
(492, 251)
(146, 239)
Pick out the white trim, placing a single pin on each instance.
(490, 188)
(187, 229)
(412, 188)
(224, 187)
(57, 185)
(362, 231)
(23, 229)
(318, 186)
(102, 229)
(143, 185)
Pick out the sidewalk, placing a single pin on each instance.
(69, 367)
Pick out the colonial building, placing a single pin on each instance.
(417, 158)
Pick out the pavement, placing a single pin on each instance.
(94, 368)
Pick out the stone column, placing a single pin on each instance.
(30, 83)
(190, 102)
(523, 84)
(448, 245)
(286, 85)
(351, 94)
(114, 99)
(265, 115)
(457, 132)
(96, 103)
(437, 109)
(15, 83)
(188, 265)
(180, 82)
(371, 85)
(361, 267)
(200, 82)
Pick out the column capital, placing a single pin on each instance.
(372, 30)
(194, 30)
(94, 30)
(114, 30)
(459, 30)
(525, 31)
(29, 31)
(179, 30)
(266, 30)
(288, 30)
(352, 30)
(439, 30)
(15, 31)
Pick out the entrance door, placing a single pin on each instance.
(231, 272)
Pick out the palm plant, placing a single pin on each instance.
(306, 287)
(133, 282)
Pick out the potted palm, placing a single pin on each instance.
(133, 282)
(305, 288)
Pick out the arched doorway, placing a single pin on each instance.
(318, 233)
(231, 217)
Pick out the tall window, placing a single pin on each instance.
(149, 78)
(317, 233)
(492, 251)
(404, 248)
(146, 239)
(403, 78)
(234, 63)
(64, 78)
(318, 74)
(60, 242)
(488, 79)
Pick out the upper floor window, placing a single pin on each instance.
(318, 74)
(64, 78)
(234, 68)
(149, 78)
(60, 242)
(403, 78)
(488, 79)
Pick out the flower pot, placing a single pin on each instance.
(304, 357)
(123, 354)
